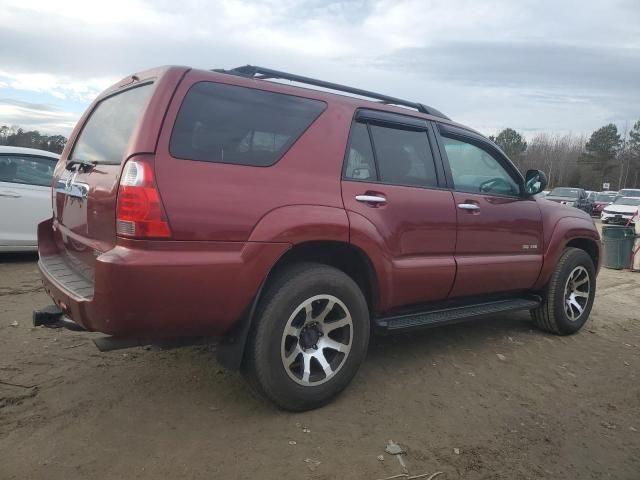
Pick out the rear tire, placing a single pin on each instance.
(569, 295)
(309, 338)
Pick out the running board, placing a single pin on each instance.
(441, 316)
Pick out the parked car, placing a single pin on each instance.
(25, 195)
(622, 211)
(602, 200)
(574, 197)
(591, 195)
(629, 192)
(293, 221)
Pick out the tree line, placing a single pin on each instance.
(18, 137)
(606, 156)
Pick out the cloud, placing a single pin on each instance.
(527, 64)
(35, 116)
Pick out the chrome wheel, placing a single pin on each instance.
(576, 293)
(316, 340)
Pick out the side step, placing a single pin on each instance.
(441, 316)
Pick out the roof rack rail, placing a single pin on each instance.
(262, 73)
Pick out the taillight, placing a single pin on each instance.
(140, 213)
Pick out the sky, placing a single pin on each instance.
(536, 66)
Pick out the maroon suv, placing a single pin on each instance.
(293, 221)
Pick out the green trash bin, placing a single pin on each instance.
(618, 245)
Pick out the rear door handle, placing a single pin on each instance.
(9, 194)
(469, 206)
(376, 199)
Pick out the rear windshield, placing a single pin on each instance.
(231, 124)
(565, 192)
(628, 201)
(605, 197)
(630, 193)
(106, 134)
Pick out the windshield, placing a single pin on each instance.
(605, 197)
(628, 201)
(630, 193)
(565, 192)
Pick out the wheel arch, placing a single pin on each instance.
(344, 256)
(569, 232)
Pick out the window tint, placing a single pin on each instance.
(27, 169)
(360, 164)
(403, 156)
(475, 170)
(106, 134)
(244, 126)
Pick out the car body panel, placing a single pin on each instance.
(416, 235)
(498, 246)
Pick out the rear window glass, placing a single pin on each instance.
(106, 134)
(230, 124)
(565, 192)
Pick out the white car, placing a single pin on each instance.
(621, 211)
(25, 196)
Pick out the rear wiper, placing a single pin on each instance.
(82, 164)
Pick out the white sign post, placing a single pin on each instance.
(606, 185)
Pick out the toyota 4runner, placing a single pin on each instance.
(293, 222)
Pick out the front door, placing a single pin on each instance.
(499, 241)
(390, 183)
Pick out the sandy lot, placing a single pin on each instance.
(545, 407)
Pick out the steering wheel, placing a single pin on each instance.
(491, 184)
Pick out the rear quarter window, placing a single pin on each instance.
(238, 125)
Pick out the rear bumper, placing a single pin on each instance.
(159, 288)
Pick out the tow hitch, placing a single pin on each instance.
(53, 317)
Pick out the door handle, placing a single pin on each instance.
(9, 195)
(375, 199)
(472, 207)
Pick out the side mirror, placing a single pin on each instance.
(535, 181)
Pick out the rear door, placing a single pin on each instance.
(499, 239)
(25, 197)
(391, 179)
(85, 193)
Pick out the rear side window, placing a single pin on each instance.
(360, 163)
(106, 134)
(402, 157)
(27, 169)
(238, 125)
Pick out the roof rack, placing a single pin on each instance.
(262, 73)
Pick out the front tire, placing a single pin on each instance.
(570, 293)
(310, 336)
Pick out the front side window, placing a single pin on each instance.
(243, 126)
(474, 170)
(106, 133)
(26, 169)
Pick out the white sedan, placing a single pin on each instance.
(623, 210)
(25, 196)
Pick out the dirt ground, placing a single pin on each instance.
(495, 399)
